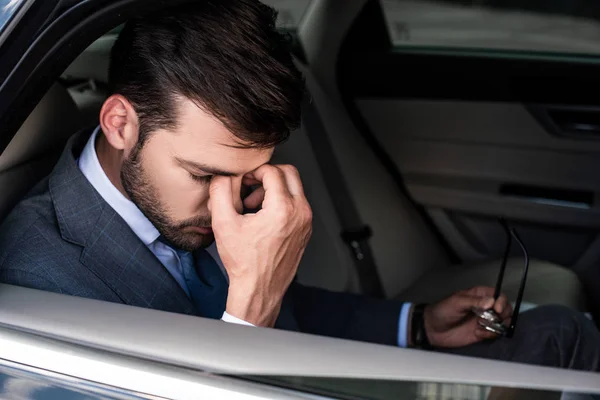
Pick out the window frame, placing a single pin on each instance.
(12, 14)
(152, 352)
(66, 31)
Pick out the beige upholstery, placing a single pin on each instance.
(327, 262)
(403, 246)
(36, 146)
(547, 283)
(405, 251)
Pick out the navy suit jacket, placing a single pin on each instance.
(63, 237)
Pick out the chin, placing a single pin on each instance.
(193, 242)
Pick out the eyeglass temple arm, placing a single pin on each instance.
(498, 289)
(513, 320)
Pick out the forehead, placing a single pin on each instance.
(201, 137)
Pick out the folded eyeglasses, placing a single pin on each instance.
(489, 319)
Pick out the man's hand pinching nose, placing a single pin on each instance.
(261, 251)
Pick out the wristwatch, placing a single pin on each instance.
(419, 335)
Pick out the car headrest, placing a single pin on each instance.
(93, 62)
(47, 128)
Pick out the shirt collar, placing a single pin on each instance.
(92, 170)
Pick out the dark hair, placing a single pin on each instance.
(225, 55)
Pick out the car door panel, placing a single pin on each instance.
(469, 163)
(476, 135)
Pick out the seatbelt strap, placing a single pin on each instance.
(355, 233)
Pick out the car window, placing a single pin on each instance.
(92, 64)
(7, 9)
(378, 389)
(290, 12)
(564, 27)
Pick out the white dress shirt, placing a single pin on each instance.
(137, 221)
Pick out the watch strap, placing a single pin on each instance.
(419, 335)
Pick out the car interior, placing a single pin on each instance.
(443, 117)
(429, 172)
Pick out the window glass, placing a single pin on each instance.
(92, 64)
(290, 12)
(375, 389)
(7, 9)
(559, 26)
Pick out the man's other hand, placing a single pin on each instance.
(261, 251)
(451, 323)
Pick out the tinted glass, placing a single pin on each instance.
(406, 390)
(7, 9)
(290, 12)
(560, 26)
(20, 382)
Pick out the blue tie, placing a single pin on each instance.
(205, 281)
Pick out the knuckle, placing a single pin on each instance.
(278, 171)
(269, 171)
(308, 213)
(288, 206)
(290, 168)
(284, 210)
(275, 175)
(472, 289)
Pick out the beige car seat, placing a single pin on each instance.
(35, 148)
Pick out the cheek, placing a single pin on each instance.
(178, 194)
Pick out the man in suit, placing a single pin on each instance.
(201, 95)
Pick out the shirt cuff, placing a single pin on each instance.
(234, 320)
(403, 325)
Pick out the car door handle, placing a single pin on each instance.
(580, 122)
(550, 196)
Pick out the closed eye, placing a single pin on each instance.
(201, 178)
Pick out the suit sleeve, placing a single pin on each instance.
(344, 315)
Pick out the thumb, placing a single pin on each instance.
(220, 204)
(486, 303)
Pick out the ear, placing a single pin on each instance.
(119, 122)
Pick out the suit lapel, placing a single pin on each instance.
(110, 248)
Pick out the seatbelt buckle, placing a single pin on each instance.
(354, 236)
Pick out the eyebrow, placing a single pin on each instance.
(204, 168)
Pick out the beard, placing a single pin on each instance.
(144, 195)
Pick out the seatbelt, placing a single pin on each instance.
(354, 233)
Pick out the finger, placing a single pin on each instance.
(480, 291)
(464, 303)
(502, 306)
(249, 180)
(272, 180)
(220, 203)
(485, 303)
(255, 199)
(484, 334)
(292, 179)
(507, 313)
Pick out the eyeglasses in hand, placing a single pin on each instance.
(489, 319)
